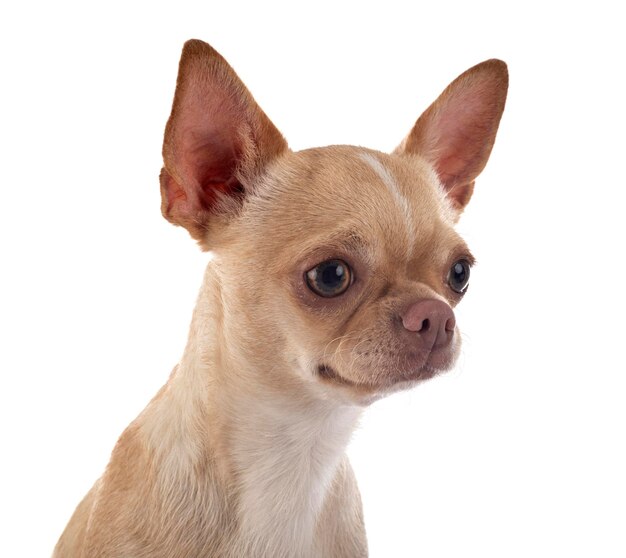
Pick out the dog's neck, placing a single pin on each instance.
(273, 455)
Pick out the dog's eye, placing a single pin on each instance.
(329, 278)
(459, 275)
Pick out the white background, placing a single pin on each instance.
(520, 451)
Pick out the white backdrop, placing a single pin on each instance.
(520, 451)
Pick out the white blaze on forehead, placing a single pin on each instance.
(399, 198)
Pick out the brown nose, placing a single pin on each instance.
(433, 320)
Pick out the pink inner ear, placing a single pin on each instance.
(212, 167)
(456, 133)
(208, 172)
(461, 130)
(216, 135)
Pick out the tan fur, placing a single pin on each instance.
(242, 453)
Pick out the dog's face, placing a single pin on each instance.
(332, 256)
(339, 266)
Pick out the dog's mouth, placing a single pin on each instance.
(329, 375)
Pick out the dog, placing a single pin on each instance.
(332, 283)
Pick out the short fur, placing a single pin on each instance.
(242, 452)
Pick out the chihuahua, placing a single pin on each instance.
(332, 283)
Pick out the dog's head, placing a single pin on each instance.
(340, 264)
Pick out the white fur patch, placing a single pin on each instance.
(285, 468)
(399, 198)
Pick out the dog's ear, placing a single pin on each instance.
(456, 133)
(217, 140)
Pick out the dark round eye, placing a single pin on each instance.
(459, 275)
(330, 278)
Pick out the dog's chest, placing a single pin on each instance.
(284, 480)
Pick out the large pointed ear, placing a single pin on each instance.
(456, 133)
(217, 141)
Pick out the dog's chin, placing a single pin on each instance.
(381, 384)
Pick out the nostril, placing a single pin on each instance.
(425, 325)
(450, 325)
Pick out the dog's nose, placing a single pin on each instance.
(432, 319)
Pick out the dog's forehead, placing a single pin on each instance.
(370, 178)
(388, 199)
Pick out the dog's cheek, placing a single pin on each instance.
(355, 347)
(284, 334)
